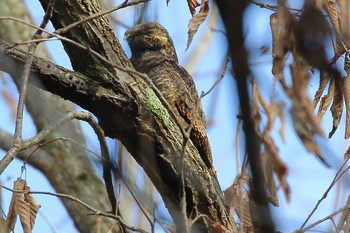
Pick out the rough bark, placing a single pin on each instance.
(128, 109)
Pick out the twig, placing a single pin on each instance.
(220, 77)
(339, 174)
(131, 190)
(239, 174)
(107, 175)
(48, 222)
(345, 208)
(41, 145)
(37, 138)
(238, 146)
(126, 183)
(25, 75)
(182, 176)
(94, 16)
(202, 216)
(271, 7)
(154, 218)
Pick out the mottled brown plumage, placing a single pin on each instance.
(153, 53)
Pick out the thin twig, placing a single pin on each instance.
(271, 7)
(42, 145)
(339, 174)
(107, 175)
(345, 208)
(117, 168)
(227, 60)
(25, 76)
(97, 15)
(239, 174)
(37, 138)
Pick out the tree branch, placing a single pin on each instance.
(232, 15)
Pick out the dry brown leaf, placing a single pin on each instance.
(346, 227)
(31, 208)
(3, 226)
(230, 194)
(271, 160)
(347, 153)
(255, 105)
(344, 12)
(12, 215)
(279, 167)
(196, 21)
(271, 110)
(332, 10)
(306, 125)
(344, 219)
(24, 205)
(218, 228)
(281, 114)
(305, 133)
(302, 105)
(346, 92)
(239, 201)
(271, 184)
(324, 79)
(326, 100)
(347, 65)
(277, 52)
(271, 113)
(280, 24)
(192, 4)
(337, 106)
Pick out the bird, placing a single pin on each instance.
(153, 53)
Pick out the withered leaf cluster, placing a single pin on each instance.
(300, 42)
(197, 18)
(23, 205)
(305, 39)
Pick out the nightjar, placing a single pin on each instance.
(153, 53)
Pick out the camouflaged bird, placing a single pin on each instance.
(153, 53)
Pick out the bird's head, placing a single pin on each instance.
(148, 37)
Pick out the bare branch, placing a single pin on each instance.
(339, 174)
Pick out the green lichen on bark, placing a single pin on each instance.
(156, 107)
